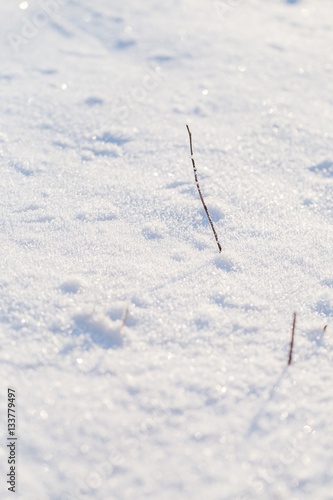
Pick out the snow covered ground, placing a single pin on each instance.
(147, 365)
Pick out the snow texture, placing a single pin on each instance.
(146, 364)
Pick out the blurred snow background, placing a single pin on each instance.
(146, 364)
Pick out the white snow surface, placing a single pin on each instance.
(147, 365)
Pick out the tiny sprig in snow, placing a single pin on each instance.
(292, 340)
(199, 191)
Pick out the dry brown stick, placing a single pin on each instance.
(292, 340)
(199, 191)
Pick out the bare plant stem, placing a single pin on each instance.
(325, 328)
(124, 318)
(199, 191)
(292, 339)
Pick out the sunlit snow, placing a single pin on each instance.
(145, 363)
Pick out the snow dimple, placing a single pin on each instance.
(327, 282)
(224, 264)
(111, 138)
(226, 302)
(94, 101)
(7, 77)
(24, 167)
(96, 216)
(324, 307)
(176, 184)
(153, 231)
(42, 219)
(111, 151)
(162, 56)
(72, 286)
(111, 31)
(29, 243)
(60, 28)
(106, 143)
(202, 323)
(64, 143)
(317, 336)
(30, 207)
(47, 71)
(325, 169)
(106, 217)
(124, 43)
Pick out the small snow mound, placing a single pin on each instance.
(101, 329)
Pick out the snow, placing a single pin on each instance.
(145, 363)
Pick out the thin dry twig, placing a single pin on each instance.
(124, 318)
(292, 339)
(199, 191)
(325, 328)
